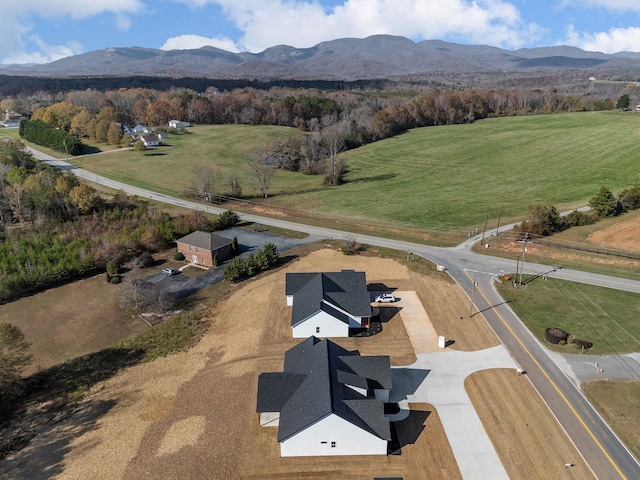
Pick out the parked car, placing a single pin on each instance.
(169, 271)
(386, 298)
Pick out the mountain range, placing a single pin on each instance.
(378, 56)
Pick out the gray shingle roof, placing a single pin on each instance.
(204, 240)
(323, 370)
(346, 290)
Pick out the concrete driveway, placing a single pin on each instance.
(437, 377)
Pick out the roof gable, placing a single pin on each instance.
(204, 240)
(345, 290)
(324, 386)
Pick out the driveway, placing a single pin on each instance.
(437, 377)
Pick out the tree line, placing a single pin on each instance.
(545, 220)
(54, 228)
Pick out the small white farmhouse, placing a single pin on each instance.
(328, 401)
(178, 124)
(328, 304)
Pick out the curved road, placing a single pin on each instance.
(603, 451)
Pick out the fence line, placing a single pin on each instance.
(582, 248)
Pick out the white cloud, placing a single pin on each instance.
(613, 41)
(614, 5)
(185, 42)
(17, 42)
(299, 23)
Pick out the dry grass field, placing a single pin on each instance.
(192, 414)
(71, 320)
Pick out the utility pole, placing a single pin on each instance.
(499, 215)
(515, 280)
(473, 295)
(524, 249)
(484, 229)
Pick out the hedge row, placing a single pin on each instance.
(38, 132)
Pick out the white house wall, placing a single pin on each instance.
(349, 440)
(321, 324)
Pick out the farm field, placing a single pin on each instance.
(436, 179)
(192, 414)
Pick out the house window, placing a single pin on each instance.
(323, 443)
(189, 247)
(317, 329)
(196, 249)
(333, 444)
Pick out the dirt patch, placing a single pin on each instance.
(527, 438)
(619, 236)
(192, 415)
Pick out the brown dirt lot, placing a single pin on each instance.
(621, 235)
(192, 415)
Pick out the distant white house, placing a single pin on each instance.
(328, 304)
(327, 401)
(150, 140)
(128, 130)
(11, 119)
(637, 108)
(178, 124)
(142, 129)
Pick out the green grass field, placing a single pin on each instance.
(604, 316)
(438, 179)
(451, 177)
(224, 148)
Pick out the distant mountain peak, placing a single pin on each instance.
(377, 56)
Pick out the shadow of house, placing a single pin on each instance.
(406, 382)
(407, 431)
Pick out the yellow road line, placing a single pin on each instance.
(557, 389)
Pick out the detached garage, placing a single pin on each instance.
(202, 247)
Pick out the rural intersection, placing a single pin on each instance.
(600, 447)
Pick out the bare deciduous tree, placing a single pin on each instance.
(333, 138)
(263, 173)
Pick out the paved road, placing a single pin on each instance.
(603, 451)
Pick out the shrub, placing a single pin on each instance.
(143, 260)
(583, 343)
(113, 268)
(115, 280)
(578, 219)
(228, 219)
(556, 335)
(178, 256)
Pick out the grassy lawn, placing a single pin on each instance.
(619, 404)
(436, 179)
(604, 316)
(225, 148)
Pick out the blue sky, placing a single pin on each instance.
(39, 31)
